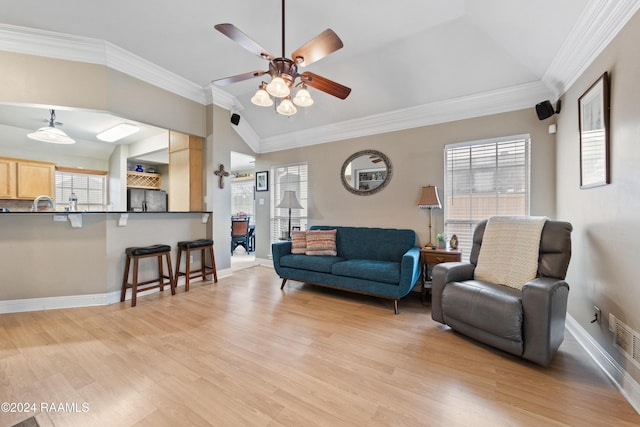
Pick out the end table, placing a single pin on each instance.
(431, 257)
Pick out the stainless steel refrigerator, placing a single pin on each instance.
(139, 200)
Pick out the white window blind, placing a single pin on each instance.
(284, 178)
(482, 179)
(91, 190)
(243, 197)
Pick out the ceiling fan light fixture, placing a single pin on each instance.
(262, 98)
(51, 134)
(278, 87)
(303, 97)
(286, 107)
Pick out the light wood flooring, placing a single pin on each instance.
(244, 353)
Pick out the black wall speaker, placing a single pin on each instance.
(235, 119)
(545, 109)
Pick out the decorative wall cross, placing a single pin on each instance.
(221, 173)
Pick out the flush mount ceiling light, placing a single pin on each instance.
(118, 132)
(284, 71)
(51, 133)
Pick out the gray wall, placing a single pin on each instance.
(606, 236)
(417, 158)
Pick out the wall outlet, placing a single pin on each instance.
(597, 314)
(190, 259)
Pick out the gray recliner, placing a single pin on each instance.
(528, 323)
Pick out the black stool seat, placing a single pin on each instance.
(205, 246)
(195, 244)
(136, 253)
(147, 250)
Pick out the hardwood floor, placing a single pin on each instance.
(243, 353)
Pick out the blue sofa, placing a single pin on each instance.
(375, 261)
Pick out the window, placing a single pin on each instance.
(482, 179)
(89, 186)
(242, 197)
(284, 178)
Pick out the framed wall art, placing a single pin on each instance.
(262, 181)
(593, 118)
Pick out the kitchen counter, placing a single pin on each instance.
(48, 263)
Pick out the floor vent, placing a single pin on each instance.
(625, 339)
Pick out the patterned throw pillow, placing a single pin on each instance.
(298, 242)
(321, 242)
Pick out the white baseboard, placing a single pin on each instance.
(629, 388)
(75, 301)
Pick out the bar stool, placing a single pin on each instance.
(193, 245)
(135, 254)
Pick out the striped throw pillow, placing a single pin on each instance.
(321, 242)
(298, 242)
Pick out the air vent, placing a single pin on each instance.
(626, 339)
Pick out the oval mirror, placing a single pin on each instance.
(366, 172)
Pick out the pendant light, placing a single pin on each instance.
(51, 133)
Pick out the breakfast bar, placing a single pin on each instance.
(55, 260)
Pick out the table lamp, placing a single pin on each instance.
(429, 200)
(289, 201)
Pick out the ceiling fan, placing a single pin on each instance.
(284, 71)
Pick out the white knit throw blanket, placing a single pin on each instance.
(510, 250)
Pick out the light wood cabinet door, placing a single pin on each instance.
(7, 179)
(185, 172)
(35, 179)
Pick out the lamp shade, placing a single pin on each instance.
(429, 198)
(289, 201)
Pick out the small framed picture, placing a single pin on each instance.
(262, 181)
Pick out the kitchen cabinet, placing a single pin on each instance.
(185, 172)
(7, 179)
(26, 179)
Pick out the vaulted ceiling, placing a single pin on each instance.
(408, 62)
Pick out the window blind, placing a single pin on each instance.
(483, 179)
(88, 187)
(285, 178)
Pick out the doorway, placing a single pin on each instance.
(243, 210)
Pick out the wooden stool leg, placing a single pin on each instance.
(160, 273)
(172, 281)
(203, 264)
(125, 279)
(177, 276)
(187, 262)
(134, 285)
(213, 264)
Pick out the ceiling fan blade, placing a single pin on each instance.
(238, 78)
(317, 48)
(243, 40)
(325, 85)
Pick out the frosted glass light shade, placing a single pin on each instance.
(278, 87)
(51, 135)
(262, 98)
(286, 107)
(303, 97)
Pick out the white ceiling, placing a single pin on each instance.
(405, 58)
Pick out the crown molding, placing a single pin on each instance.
(466, 107)
(32, 41)
(599, 23)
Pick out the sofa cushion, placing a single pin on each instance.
(495, 309)
(380, 244)
(298, 242)
(379, 271)
(320, 263)
(321, 242)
